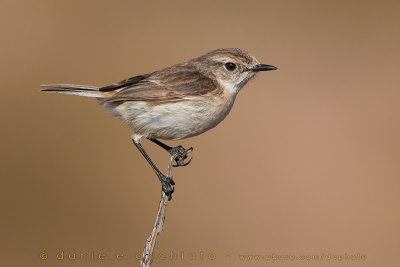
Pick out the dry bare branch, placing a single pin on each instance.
(147, 256)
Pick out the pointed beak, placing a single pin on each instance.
(263, 67)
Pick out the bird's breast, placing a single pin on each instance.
(176, 120)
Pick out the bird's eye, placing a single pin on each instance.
(230, 66)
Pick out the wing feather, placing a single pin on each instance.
(124, 83)
(170, 84)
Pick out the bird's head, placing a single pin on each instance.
(231, 67)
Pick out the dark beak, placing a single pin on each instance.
(263, 67)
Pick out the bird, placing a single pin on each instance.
(177, 102)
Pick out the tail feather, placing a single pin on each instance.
(74, 89)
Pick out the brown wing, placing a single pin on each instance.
(124, 83)
(170, 84)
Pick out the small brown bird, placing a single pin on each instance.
(177, 102)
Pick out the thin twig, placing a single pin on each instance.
(147, 256)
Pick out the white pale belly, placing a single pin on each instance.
(174, 120)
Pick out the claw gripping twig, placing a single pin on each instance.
(147, 256)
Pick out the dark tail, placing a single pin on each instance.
(74, 89)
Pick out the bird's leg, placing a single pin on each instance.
(166, 182)
(179, 151)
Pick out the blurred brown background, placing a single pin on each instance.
(306, 163)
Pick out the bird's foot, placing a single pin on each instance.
(180, 154)
(167, 185)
